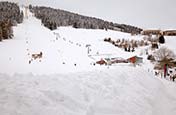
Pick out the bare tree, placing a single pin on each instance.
(164, 54)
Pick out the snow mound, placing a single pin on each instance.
(100, 92)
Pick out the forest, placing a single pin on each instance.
(10, 15)
(53, 18)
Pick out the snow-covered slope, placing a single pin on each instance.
(62, 48)
(127, 91)
(64, 81)
(170, 43)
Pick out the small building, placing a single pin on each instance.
(170, 33)
(135, 60)
(101, 62)
(110, 61)
(151, 32)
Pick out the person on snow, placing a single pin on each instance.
(165, 70)
(173, 78)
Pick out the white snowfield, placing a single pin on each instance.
(64, 81)
(127, 91)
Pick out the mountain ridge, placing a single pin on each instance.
(53, 18)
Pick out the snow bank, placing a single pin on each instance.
(114, 91)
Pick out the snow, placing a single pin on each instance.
(99, 92)
(170, 43)
(64, 45)
(54, 85)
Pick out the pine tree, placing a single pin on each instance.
(9, 29)
(0, 33)
(30, 6)
(20, 17)
(75, 25)
(161, 39)
(4, 30)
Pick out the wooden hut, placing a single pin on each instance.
(151, 32)
(169, 33)
(135, 60)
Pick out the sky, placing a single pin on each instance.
(158, 14)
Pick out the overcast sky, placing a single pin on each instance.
(159, 14)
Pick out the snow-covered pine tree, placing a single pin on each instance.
(161, 39)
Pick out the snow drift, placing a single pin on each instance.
(127, 91)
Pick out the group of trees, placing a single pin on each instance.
(53, 18)
(130, 29)
(127, 45)
(5, 30)
(10, 15)
(161, 55)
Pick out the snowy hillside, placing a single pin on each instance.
(65, 81)
(127, 91)
(65, 45)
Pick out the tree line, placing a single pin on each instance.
(10, 15)
(53, 18)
